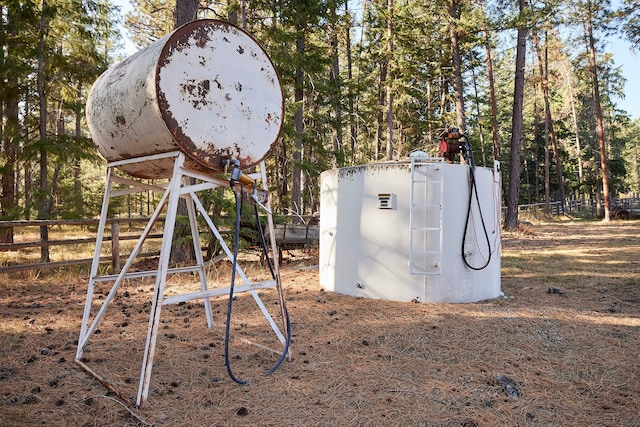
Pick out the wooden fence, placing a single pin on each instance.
(123, 229)
(131, 232)
(631, 205)
(288, 236)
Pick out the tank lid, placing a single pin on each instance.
(219, 94)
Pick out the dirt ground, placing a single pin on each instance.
(561, 348)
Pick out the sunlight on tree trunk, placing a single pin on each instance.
(511, 222)
(45, 209)
(296, 178)
(185, 11)
(492, 90)
(9, 135)
(454, 16)
(574, 117)
(599, 123)
(389, 85)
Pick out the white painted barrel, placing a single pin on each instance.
(207, 89)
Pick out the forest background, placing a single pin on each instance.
(531, 83)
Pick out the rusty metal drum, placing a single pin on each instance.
(207, 89)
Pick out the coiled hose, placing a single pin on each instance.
(227, 359)
(473, 189)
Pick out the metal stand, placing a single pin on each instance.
(179, 185)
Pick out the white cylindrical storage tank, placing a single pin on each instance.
(207, 89)
(395, 231)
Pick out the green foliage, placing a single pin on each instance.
(65, 46)
(629, 17)
(341, 74)
(152, 20)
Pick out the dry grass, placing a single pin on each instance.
(573, 355)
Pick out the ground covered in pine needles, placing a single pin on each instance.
(560, 348)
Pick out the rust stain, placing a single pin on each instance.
(211, 158)
(196, 92)
(271, 119)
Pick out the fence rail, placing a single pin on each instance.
(630, 205)
(28, 243)
(115, 238)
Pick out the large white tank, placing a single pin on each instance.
(207, 89)
(395, 231)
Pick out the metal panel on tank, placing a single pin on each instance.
(207, 89)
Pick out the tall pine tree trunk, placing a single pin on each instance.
(44, 208)
(492, 89)
(536, 149)
(574, 117)
(545, 96)
(77, 183)
(454, 17)
(429, 113)
(480, 130)
(547, 173)
(550, 135)
(381, 102)
(185, 11)
(599, 121)
(389, 84)
(511, 222)
(10, 136)
(334, 78)
(353, 129)
(296, 175)
(28, 189)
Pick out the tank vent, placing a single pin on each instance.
(386, 201)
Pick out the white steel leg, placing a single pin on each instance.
(84, 338)
(178, 186)
(197, 248)
(94, 266)
(274, 251)
(163, 265)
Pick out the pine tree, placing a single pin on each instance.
(629, 16)
(149, 20)
(14, 69)
(511, 221)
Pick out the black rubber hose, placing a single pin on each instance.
(227, 359)
(284, 306)
(466, 224)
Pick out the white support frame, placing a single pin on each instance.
(178, 186)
